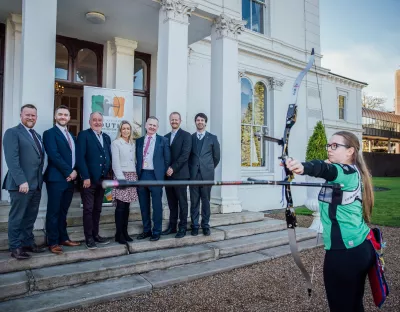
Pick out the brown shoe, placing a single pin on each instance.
(57, 249)
(70, 243)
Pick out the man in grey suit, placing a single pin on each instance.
(204, 157)
(24, 154)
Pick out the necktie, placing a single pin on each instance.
(146, 148)
(39, 147)
(200, 135)
(68, 138)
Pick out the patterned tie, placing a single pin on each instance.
(146, 149)
(68, 138)
(200, 135)
(39, 147)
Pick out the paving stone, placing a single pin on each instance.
(169, 241)
(79, 296)
(190, 272)
(258, 242)
(71, 254)
(13, 284)
(82, 272)
(252, 228)
(235, 218)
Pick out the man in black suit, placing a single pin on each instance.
(24, 155)
(94, 164)
(204, 157)
(60, 175)
(152, 160)
(180, 144)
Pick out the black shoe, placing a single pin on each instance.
(169, 231)
(154, 238)
(19, 254)
(120, 238)
(181, 233)
(126, 236)
(143, 235)
(90, 244)
(34, 248)
(206, 232)
(195, 232)
(101, 240)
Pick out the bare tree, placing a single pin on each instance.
(373, 102)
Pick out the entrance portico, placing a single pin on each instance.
(161, 29)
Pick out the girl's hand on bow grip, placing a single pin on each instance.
(294, 165)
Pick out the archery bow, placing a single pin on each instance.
(284, 142)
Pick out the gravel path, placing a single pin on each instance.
(275, 285)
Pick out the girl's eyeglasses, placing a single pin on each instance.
(334, 146)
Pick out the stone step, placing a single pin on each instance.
(236, 246)
(39, 239)
(13, 284)
(83, 272)
(79, 296)
(70, 255)
(252, 228)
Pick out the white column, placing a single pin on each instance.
(37, 68)
(12, 82)
(123, 54)
(172, 60)
(225, 108)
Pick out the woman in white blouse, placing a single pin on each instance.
(123, 164)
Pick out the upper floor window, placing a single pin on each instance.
(62, 62)
(342, 106)
(253, 120)
(86, 67)
(253, 11)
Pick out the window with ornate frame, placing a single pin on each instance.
(342, 103)
(254, 152)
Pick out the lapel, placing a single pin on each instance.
(194, 143)
(157, 144)
(60, 134)
(139, 147)
(94, 137)
(178, 133)
(29, 138)
(206, 138)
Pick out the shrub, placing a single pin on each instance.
(316, 148)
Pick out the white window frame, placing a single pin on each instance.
(345, 94)
(266, 17)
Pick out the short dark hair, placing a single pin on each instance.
(175, 113)
(28, 106)
(61, 107)
(202, 115)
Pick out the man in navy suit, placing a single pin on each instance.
(153, 159)
(94, 164)
(59, 177)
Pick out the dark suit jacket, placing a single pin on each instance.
(161, 156)
(59, 155)
(93, 161)
(23, 159)
(180, 151)
(208, 158)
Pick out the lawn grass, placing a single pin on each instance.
(386, 210)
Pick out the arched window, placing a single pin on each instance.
(62, 62)
(253, 120)
(86, 67)
(141, 92)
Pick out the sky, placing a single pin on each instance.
(360, 39)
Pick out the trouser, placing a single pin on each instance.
(121, 218)
(92, 200)
(345, 271)
(22, 217)
(59, 199)
(178, 206)
(144, 193)
(198, 193)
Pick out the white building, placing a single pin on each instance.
(187, 56)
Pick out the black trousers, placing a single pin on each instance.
(198, 193)
(345, 271)
(92, 200)
(178, 206)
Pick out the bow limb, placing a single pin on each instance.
(290, 213)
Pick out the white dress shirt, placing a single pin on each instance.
(66, 133)
(202, 134)
(173, 134)
(123, 157)
(99, 136)
(148, 158)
